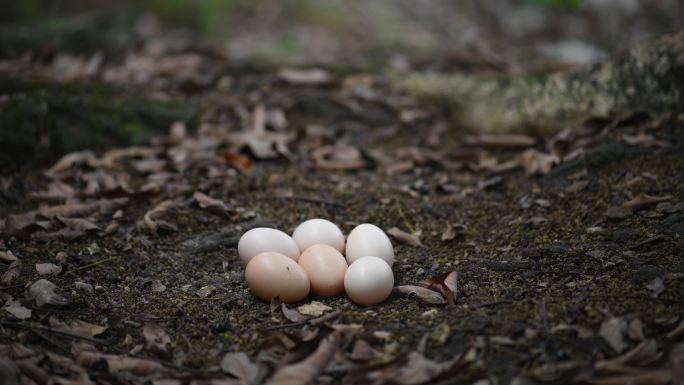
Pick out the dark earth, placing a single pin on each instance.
(567, 247)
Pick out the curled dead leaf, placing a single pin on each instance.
(453, 230)
(427, 296)
(404, 237)
(77, 327)
(339, 157)
(503, 140)
(12, 273)
(613, 332)
(115, 364)
(445, 284)
(153, 220)
(216, 206)
(292, 314)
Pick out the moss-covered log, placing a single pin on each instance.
(647, 78)
(40, 121)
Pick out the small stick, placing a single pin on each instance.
(92, 264)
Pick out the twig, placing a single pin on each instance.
(93, 264)
(403, 216)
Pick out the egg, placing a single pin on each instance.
(325, 267)
(261, 239)
(369, 280)
(367, 239)
(318, 231)
(271, 275)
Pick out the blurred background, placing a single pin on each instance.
(468, 35)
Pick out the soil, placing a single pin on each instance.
(539, 268)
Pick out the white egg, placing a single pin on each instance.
(318, 231)
(262, 239)
(367, 239)
(369, 281)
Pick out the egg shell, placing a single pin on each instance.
(318, 231)
(325, 267)
(367, 239)
(369, 281)
(271, 275)
(262, 239)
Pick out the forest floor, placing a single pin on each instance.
(567, 248)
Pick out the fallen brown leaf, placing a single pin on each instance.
(236, 160)
(404, 237)
(68, 161)
(451, 231)
(115, 363)
(156, 337)
(78, 224)
(152, 217)
(613, 331)
(239, 366)
(425, 295)
(48, 269)
(339, 157)
(56, 191)
(445, 284)
(45, 292)
(77, 327)
(12, 273)
(16, 309)
(535, 162)
(216, 206)
(643, 354)
(644, 200)
(305, 371)
(292, 314)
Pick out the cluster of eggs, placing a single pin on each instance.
(311, 260)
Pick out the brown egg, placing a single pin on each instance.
(325, 267)
(271, 275)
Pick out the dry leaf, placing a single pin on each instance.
(305, 371)
(205, 291)
(77, 327)
(48, 269)
(68, 161)
(116, 364)
(292, 314)
(656, 286)
(156, 337)
(644, 200)
(236, 160)
(404, 237)
(12, 273)
(535, 162)
(78, 224)
(577, 186)
(214, 205)
(452, 231)
(45, 292)
(314, 309)
(16, 309)
(362, 351)
(307, 77)
(8, 256)
(262, 143)
(635, 330)
(613, 331)
(428, 296)
(57, 191)
(339, 157)
(239, 366)
(503, 140)
(416, 370)
(445, 284)
(643, 354)
(152, 217)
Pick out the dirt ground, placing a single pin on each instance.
(119, 263)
